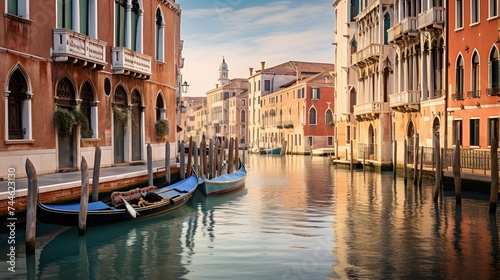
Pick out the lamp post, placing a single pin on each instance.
(184, 90)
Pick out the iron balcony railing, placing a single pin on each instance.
(457, 96)
(493, 91)
(474, 94)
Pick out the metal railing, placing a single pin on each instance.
(457, 96)
(493, 91)
(367, 151)
(474, 94)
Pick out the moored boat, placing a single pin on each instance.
(225, 183)
(273, 151)
(143, 203)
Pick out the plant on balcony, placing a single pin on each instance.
(119, 115)
(162, 127)
(330, 123)
(65, 120)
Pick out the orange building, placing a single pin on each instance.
(112, 65)
(301, 113)
(473, 73)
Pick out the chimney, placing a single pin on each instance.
(262, 65)
(251, 71)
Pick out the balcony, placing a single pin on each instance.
(457, 96)
(432, 18)
(131, 63)
(409, 26)
(79, 49)
(493, 91)
(474, 94)
(371, 110)
(370, 53)
(406, 101)
(394, 33)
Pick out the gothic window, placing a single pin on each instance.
(493, 8)
(89, 109)
(312, 116)
(65, 93)
(17, 107)
(160, 26)
(387, 25)
(130, 26)
(494, 72)
(459, 78)
(474, 11)
(329, 117)
(64, 12)
(354, 9)
(160, 108)
(87, 16)
(243, 116)
(459, 14)
(475, 74)
(354, 46)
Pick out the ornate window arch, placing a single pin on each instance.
(160, 35)
(313, 116)
(18, 106)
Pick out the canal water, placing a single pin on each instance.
(297, 218)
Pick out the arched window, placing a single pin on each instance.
(160, 107)
(387, 25)
(459, 79)
(329, 117)
(160, 26)
(18, 107)
(474, 76)
(312, 116)
(354, 46)
(243, 117)
(89, 109)
(494, 73)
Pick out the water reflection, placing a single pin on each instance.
(297, 218)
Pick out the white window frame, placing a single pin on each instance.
(478, 9)
(457, 27)
(492, 13)
(23, 8)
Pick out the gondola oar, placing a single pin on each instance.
(130, 209)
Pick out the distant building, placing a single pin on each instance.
(116, 62)
(268, 80)
(301, 113)
(189, 120)
(473, 73)
(218, 103)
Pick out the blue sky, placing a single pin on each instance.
(248, 32)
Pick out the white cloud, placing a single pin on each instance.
(276, 32)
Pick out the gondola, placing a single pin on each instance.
(123, 206)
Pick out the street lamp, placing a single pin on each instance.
(185, 87)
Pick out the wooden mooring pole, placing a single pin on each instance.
(437, 155)
(221, 156)
(150, 164)
(405, 161)
(210, 159)
(352, 156)
(230, 157)
(31, 207)
(394, 161)
(456, 173)
(494, 175)
(236, 154)
(168, 177)
(421, 173)
(195, 159)
(84, 199)
(96, 173)
(190, 159)
(182, 161)
(415, 161)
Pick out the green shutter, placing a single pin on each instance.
(133, 33)
(12, 7)
(84, 17)
(318, 94)
(68, 8)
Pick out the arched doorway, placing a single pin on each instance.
(119, 121)
(410, 133)
(136, 126)
(66, 144)
(371, 142)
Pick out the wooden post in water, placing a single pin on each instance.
(204, 156)
(456, 173)
(437, 155)
(182, 161)
(215, 159)
(352, 156)
(31, 207)
(84, 199)
(210, 159)
(195, 159)
(168, 177)
(494, 175)
(150, 164)
(394, 160)
(221, 156)
(190, 158)
(230, 161)
(421, 173)
(415, 161)
(96, 173)
(236, 154)
(405, 161)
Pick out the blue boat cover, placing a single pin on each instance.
(93, 206)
